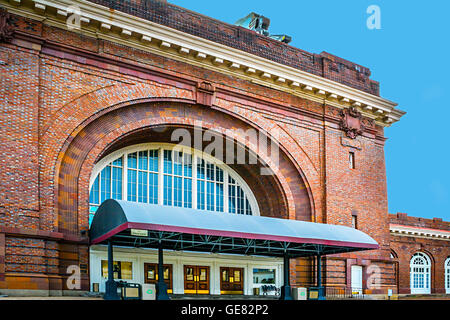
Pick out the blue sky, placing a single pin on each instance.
(408, 56)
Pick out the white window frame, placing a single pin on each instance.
(447, 275)
(227, 171)
(423, 276)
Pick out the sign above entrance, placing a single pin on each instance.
(139, 233)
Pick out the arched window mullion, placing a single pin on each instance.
(194, 180)
(160, 176)
(125, 177)
(111, 181)
(225, 192)
(148, 176)
(172, 177)
(214, 184)
(183, 177)
(100, 187)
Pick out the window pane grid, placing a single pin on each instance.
(237, 200)
(187, 165)
(219, 197)
(95, 189)
(142, 186)
(232, 198)
(168, 190)
(108, 184)
(117, 183)
(132, 185)
(187, 193)
(180, 184)
(210, 196)
(178, 192)
(153, 188)
(141, 176)
(105, 183)
(420, 272)
(447, 274)
(201, 194)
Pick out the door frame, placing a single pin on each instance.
(169, 265)
(242, 271)
(360, 269)
(197, 282)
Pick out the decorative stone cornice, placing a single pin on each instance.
(104, 23)
(418, 232)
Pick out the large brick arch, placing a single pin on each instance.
(268, 190)
(92, 140)
(59, 147)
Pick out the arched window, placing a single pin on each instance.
(181, 177)
(420, 273)
(447, 275)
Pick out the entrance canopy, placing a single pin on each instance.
(141, 225)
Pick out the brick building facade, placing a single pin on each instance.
(411, 235)
(133, 71)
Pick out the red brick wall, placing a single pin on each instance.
(404, 219)
(18, 131)
(84, 96)
(2, 261)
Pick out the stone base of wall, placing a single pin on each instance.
(42, 293)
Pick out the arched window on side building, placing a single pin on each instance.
(420, 274)
(447, 275)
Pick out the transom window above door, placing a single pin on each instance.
(181, 177)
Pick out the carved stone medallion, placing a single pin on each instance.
(6, 29)
(351, 122)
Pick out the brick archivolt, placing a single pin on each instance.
(69, 151)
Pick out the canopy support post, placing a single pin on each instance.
(111, 285)
(319, 277)
(286, 288)
(319, 270)
(161, 286)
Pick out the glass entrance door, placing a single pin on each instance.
(196, 279)
(231, 280)
(151, 274)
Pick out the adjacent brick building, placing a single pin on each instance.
(130, 73)
(411, 235)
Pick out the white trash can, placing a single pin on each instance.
(299, 293)
(148, 291)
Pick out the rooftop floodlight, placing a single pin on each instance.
(281, 37)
